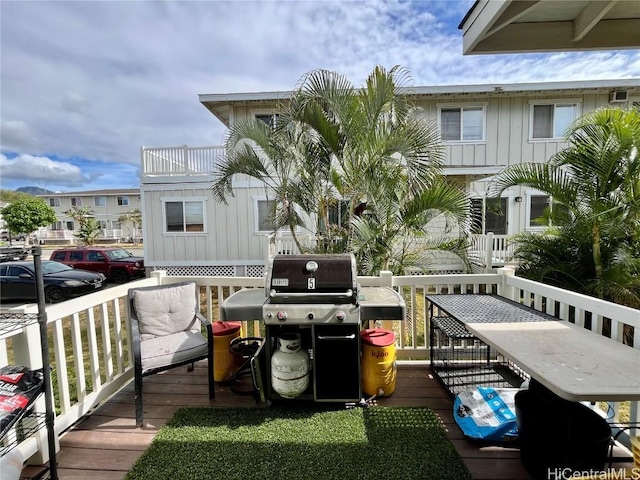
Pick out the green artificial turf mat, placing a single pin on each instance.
(301, 443)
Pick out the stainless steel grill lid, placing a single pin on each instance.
(313, 278)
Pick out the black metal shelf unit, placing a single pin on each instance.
(32, 421)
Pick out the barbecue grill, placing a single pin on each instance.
(316, 299)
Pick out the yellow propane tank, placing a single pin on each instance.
(223, 359)
(378, 362)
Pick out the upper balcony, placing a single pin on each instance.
(169, 164)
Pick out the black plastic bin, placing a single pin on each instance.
(556, 434)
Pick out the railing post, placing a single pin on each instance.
(488, 252)
(386, 278)
(159, 275)
(505, 290)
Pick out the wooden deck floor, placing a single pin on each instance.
(106, 444)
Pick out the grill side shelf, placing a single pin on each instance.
(381, 303)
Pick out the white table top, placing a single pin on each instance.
(573, 362)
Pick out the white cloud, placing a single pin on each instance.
(43, 171)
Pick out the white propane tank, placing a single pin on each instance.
(289, 367)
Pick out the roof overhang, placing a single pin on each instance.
(222, 104)
(510, 26)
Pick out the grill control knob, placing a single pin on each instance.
(281, 315)
(340, 316)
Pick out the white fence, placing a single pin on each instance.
(485, 251)
(90, 345)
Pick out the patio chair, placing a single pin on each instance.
(165, 325)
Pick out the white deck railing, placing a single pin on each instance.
(90, 345)
(176, 161)
(486, 251)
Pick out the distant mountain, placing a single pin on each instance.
(34, 190)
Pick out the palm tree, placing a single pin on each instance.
(376, 152)
(89, 230)
(367, 148)
(135, 218)
(597, 179)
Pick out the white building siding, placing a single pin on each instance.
(229, 236)
(506, 140)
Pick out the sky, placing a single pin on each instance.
(85, 84)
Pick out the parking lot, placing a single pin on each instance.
(136, 250)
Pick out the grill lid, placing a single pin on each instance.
(317, 278)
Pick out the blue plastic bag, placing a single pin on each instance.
(487, 414)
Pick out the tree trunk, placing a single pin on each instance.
(597, 257)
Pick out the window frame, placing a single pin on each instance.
(508, 214)
(528, 195)
(121, 199)
(576, 102)
(97, 201)
(462, 107)
(528, 226)
(256, 220)
(261, 112)
(54, 201)
(76, 201)
(184, 200)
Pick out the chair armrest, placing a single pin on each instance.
(203, 319)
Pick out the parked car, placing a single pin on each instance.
(5, 236)
(117, 264)
(18, 281)
(8, 254)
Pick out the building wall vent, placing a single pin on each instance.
(618, 96)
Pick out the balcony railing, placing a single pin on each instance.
(89, 337)
(178, 161)
(485, 251)
(105, 234)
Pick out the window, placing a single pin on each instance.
(538, 205)
(102, 223)
(95, 257)
(100, 201)
(70, 225)
(15, 271)
(489, 215)
(56, 226)
(76, 201)
(543, 211)
(264, 219)
(551, 120)
(184, 216)
(123, 201)
(59, 256)
(76, 256)
(54, 202)
(270, 118)
(338, 214)
(462, 124)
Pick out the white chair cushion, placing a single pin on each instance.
(170, 349)
(168, 310)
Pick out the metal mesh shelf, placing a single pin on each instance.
(24, 428)
(466, 377)
(10, 322)
(451, 327)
